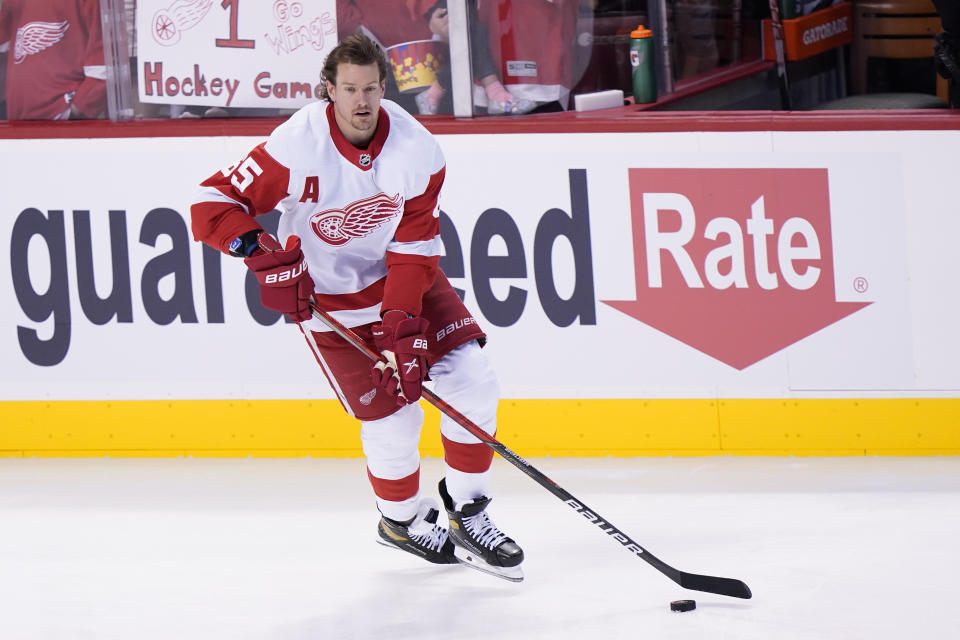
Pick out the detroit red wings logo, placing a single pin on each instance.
(168, 24)
(356, 220)
(34, 37)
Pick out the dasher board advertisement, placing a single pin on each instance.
(641, 265)
(236, 53)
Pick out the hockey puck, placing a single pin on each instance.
(683, 605)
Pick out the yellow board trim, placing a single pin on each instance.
(576, 428)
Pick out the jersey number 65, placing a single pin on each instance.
(243, 174)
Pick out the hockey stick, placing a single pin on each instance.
(776, 25)
(696, 582)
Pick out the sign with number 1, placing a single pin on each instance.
(233, 53)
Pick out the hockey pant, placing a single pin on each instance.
(464, 379)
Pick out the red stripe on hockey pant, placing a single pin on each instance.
(469, 458)
(395, 490)
(315, 350)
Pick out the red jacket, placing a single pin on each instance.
(390, 21)
(533, 44)
(54, 58)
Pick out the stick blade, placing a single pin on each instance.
(712, 584)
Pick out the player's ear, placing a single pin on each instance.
(331, 90)
(383, 87)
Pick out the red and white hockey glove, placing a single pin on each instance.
(285, 284)
(400, 338)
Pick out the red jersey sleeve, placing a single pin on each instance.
(413, 259)
(230, 199)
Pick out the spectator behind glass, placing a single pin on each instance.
(388, 23)
(53, 53)
(533, 45)
(498, 99)
(392, 22)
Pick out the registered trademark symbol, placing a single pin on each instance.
(861, 284)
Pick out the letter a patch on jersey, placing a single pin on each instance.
(311, 189)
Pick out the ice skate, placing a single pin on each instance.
(478, 542)
(422, 536)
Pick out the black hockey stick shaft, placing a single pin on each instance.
(709, 584)
(776, 25)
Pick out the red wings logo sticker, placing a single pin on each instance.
(34, 37)
(356, 220)
(168, 24)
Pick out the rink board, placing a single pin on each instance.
(640, 295)
(619, 428)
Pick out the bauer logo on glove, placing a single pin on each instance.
(285, 284)
(288, 274)
(400, 339)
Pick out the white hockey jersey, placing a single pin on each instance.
(359, 213)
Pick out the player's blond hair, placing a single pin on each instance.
(356, 49)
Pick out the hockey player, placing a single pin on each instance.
(357, 180)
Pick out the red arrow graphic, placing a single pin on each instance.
(736, 263)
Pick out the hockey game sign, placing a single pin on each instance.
(235, 53)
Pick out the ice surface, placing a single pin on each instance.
(257, 548)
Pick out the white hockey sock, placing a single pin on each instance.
(464, 487)
(400, 511)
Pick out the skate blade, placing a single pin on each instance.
(470, 559)
(383, 542)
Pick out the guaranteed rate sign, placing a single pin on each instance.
(235, 53)
(736, 263)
